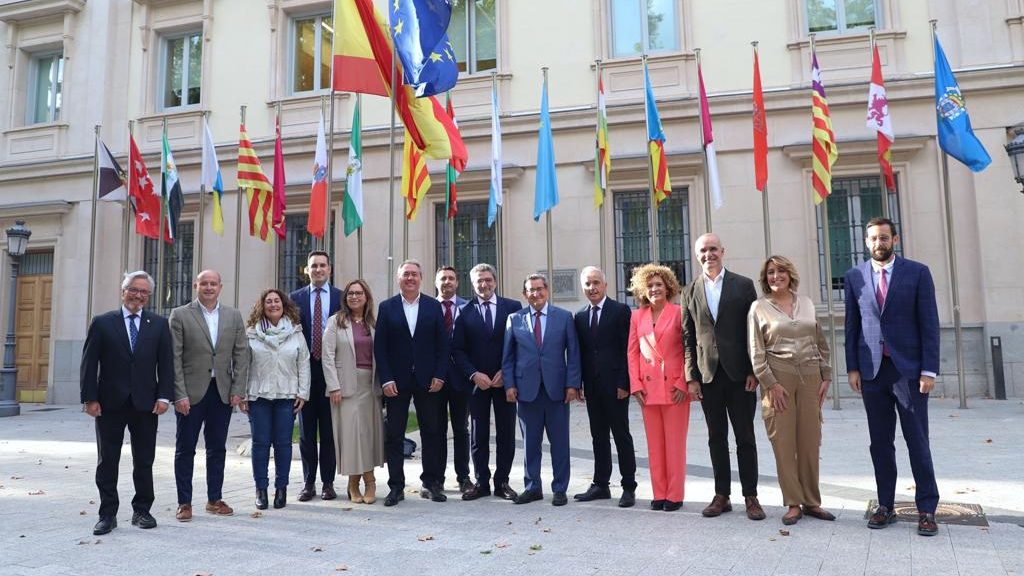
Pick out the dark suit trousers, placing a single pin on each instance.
(726, 401)
(454, 407)
(109, 439)
(480, 403)
(535, 418)
(396, 418)
(314, 420)
(608, 414)
(212, 417)
(886, 396)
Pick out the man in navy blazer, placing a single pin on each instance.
(541, 370)
(127, 380)
(892, 358)
(315, 418)
(479, 338)
(410, 349)
(454, 401)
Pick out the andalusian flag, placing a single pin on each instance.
(415, 177)
(211, 179)
(352, 211)
(259, 191)
(656, 143)
(170, 193)
(602, 157)
(823, 142)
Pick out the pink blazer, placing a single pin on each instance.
(656, 356)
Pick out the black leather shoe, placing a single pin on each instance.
(280, 497)
(926, 525)
(559, 499)
(395, 496)
(627, 500)
(307, 493)
(433, 493)
(143, 520)
(657, 504)
(104, 526)
(465, 485)
(328, 492)
(261, 499)
(476, 491)
(671, 506)
(528, 496)
(881, 518)
(595, 492)
(505, 492)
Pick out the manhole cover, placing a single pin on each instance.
(946, 513)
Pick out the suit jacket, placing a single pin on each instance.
(111, 371)
(476, 349)
(603, 355)
(555, 365)
(195, 355)
(453, 377)
(656, 354)
(908, 324)
(723, 342)
(409, 360)
(339, 358)
(301, 299)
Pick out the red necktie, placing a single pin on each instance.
(318, 324)
(536, 329)
(882, 291)
(449, 318)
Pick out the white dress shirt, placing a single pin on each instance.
(213, 325)
(412, 310)
(713, 292)
(324, 294)
(600, 310)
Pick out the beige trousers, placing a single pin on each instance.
(795, 433)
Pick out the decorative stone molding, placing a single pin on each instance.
(20, 11)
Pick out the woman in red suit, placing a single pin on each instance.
(656, 380)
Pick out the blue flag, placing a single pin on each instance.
(546, 191)
(419, 28)
(956, 137)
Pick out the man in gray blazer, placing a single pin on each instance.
(719, 372)
(211, 368)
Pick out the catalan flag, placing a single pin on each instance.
(259, 191)
(656, 143)
(879, 120)
(415, 177)
(823, 142)
(602, 157)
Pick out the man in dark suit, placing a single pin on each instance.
(603, 330)
(454, 400)
(127, 379)
(211, 370)
(892, 358)
(479, 337)
(719, 372)
(541, 371)
(317, 302)
(411, 352)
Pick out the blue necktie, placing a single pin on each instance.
(488, 319)
(133, 331)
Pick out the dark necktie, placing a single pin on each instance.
(488, 318)
(449, 318)
(133, 330)
(318, 325)
(536, 330)
(593, 319)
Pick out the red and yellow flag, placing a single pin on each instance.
(415, 177)
(880, 122)
(824, 152)
(258, 189)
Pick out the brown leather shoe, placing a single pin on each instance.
(219, 508)
(719, 505)
(926, 525)
(754, 510)
(184, 513)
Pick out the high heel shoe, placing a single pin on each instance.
(280, 497)
(261, 499)
(353, 490)
(370, 495)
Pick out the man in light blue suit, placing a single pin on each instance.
(541, 370)
(892, 358)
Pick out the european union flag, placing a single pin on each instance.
(419, 29)
(546, 188)
(956, 137)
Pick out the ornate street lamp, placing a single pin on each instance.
(1015, 150)
(17, 243)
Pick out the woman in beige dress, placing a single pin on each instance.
(791, 361)
(356, 412)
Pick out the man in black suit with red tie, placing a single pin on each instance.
(127, 380)
(602, 327)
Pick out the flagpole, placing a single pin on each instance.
(884, 194)
(328, 218)
(391, 172)
(202, 208)
(764, 195)
(499, 260)
(598, 173)
(92, 229)
(707, 174)
(127, 212)
(160, 242)
(547, 218)
(655, 248)
(359, 231)
(273, 201)
(951, 253)
(238, 233)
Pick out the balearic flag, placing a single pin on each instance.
(259, 191)
(352, 211)
(709, 144)
(880, 121)
(280, 183)
(602, 157)
(316, 223)
(420, 29)
(823, 142)
(142, 193)
(760, 132)
(212, 180)
(171, 193)
(452, 171)
(656, 144)
(415, 177)
(956, 136)
(495, 197)
(546, 187)
(110, 181)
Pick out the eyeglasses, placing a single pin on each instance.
(137, 291)
(536, 290)
(351, 294)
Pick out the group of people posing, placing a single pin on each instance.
(350, 370)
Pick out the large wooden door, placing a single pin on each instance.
(32, 330)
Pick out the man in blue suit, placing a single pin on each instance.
(892, 358)
(410, 349)
(541, 370)
(479, 337)
(454, 402)
(317, 302)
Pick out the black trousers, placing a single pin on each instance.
(396, 418)
(480, 403)
(726, 401)
(109, 439)
(608, 414)
(315, 420)
(454, 408)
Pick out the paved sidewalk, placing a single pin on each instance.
(48, 507)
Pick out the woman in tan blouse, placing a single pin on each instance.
(355, 396)
(791, 361)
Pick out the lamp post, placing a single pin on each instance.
(17, 242)
(1015, 150)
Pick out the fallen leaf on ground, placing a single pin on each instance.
(509, 523)
(485, 551)
(316, 549)
(256, 515)
(202, 574)
(36, 493)
(988, 441)
(349, 509)
(425, 538)
(502, 545)
(537, 521)
(784, 532)
(82, 513)
(547, 530)
(341, 568)
(16, 477)
(536, 547)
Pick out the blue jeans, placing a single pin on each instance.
(271, 422)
